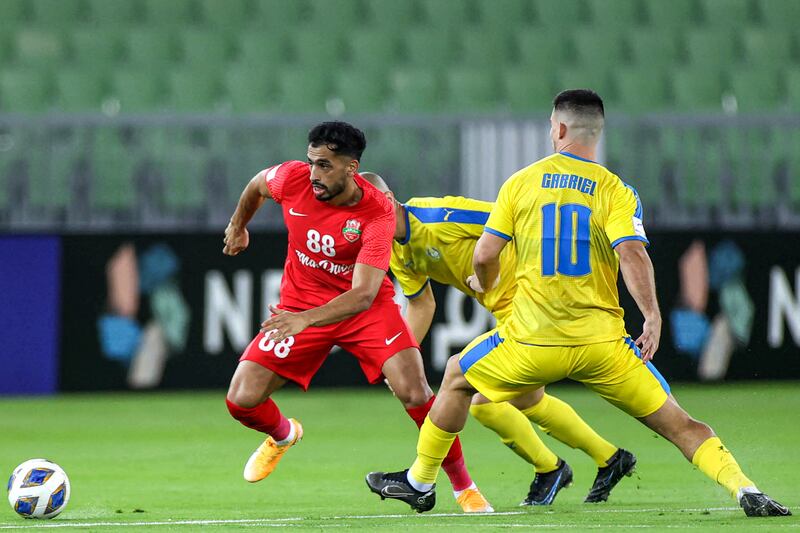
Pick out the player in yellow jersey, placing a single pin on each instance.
(575, 225)
(434, 239)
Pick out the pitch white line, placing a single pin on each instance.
(295, 521)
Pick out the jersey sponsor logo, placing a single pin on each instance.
(390, 340)
(433, 253)
(352, 230)
(295, 213)
(327, 266)
(271, 173)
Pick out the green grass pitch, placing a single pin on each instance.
(173, 461)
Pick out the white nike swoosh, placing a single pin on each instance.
(295, 213)
(392, 339)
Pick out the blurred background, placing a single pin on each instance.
(128, 129)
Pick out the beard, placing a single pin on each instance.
(326, 192)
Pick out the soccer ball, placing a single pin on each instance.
(38, 488)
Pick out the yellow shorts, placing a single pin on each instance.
(502, 369)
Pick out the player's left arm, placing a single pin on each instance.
(368, 275)
(496, 234)
(366, 283)
(486, 262)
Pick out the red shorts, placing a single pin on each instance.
(372, 336)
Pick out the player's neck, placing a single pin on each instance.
(580, 150)
(350, 196)
(400, 230)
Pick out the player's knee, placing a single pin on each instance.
(414, 394)
(240, 397)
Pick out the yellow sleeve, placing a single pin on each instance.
(410, 282)
(501, 219)
(624, 220)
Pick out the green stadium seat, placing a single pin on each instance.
(49, 172)
(56, 13)
(172, 12)
(113, 12)
(710, 48)
(204, 49)
(326, 14)
(98, 48)
(641, 90)
(429, 47)
(727, 13)
(302, 90)
(792, 83)
(249, 90)
(113, 173)
(79, 90)
(697, 89)
(224, 14)
(550, 13)
(316, 49)
(585, 77)
(181, 167)
(502, 15)
(359, 94)
(137, 90)
(597, 48)
(24, 90)
(540, 50)
(767, 47)
(414, 90)
(658, 50)
(482, 47)
(280, 13)
(39, 47)
(452, 13)
(697, 160)
(13, 12)
(259, 52)
(470, 90)
(671, 15)
(194, 90)
(391, 13)
(148, 47)
(753, 167)
(622, 14)
(756, 89)
(526, 91)
(782, 14)
(6, 49)
(374, 50)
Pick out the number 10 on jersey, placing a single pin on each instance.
(565, 251)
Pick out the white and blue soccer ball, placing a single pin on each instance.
(38, 488)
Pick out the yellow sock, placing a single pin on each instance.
(558, 419)
(432, 447)
(717, 462)
(516, 432)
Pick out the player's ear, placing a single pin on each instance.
(352, 167)
(562, 130)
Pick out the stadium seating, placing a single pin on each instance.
(24, 90)
(79, 90)
(756, 90)
(697, 89)
(249, 89)
(429, 47)
(39, 47)
(670, 15)
(13, 11)
(526, 92)
(389, 14)
(113, 169)
(779, 13)
(640, 90)
(95, 48)
(113, 12)
(726, 13)
(137, 90)
(414, 90)
(471, 90)
(656, 49)
(619, 14)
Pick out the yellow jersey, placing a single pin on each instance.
(565, 215)
(441, 234)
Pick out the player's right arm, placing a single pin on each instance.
(637, 271)
(419, 312)
(625, 231)
(255, 193)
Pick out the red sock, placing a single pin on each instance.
(453, 465)
(265, 417)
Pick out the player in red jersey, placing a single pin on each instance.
(334, 291)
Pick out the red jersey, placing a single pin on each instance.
(326, 241)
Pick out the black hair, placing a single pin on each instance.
(340, 137)
(581, 100)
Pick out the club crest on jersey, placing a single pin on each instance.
(352, 230)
